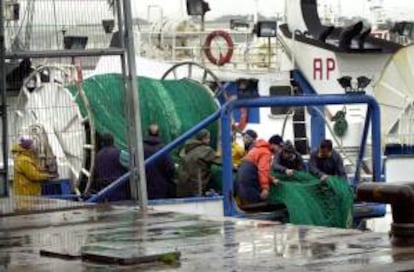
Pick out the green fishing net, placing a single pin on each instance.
(310, 202)
(175, 105)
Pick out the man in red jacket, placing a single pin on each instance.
(253, 177)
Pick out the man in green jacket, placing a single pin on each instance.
(197, 157)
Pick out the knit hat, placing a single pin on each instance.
(25, 142)
(251, 133)
(202, 134)
(276, 140)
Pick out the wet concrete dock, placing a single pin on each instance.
(18, 205)
(205, 244)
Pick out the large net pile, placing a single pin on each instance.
(175, 105)
(310, 202)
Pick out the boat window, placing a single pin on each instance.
(280, 91)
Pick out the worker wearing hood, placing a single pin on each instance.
(27, 177)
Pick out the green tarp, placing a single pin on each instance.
(310, 202)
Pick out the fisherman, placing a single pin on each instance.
(326, 162)
(249, 139)
(253, 177)
(108, 169)
(288, 160)
(195, 170)
(27, 176)
(160, 174)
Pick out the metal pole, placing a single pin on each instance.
(317, 127)
(361, 153)
(269, 51)
(227, 163)
(135, 128)
(202, 29)
(55, 18)
(5, 147)
(127, 100)
(376, 141)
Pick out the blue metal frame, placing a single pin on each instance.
(361, 153)
(371, 210)
(311, 100)
(169, 201)
(165, 150)
(229, 206)
(317, 127)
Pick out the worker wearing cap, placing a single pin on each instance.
(27, 177)
(253, 177)
(288, 160)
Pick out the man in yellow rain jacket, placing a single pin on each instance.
(237, 152)
(27, 177)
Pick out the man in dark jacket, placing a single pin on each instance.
(160, 174)
(326, 162)
(197, 158)
(108, 169)
(288, 160)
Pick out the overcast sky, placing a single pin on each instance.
(176, 8)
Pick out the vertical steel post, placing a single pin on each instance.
(376, 140)
(5, 146)
(127, 86)
(227, 161)
(269, 51)
(361, 153)
(317, 127)
(202, 29)
(135, 128)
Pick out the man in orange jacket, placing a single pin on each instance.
(253, 177)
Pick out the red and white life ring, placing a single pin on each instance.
(223, 59)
